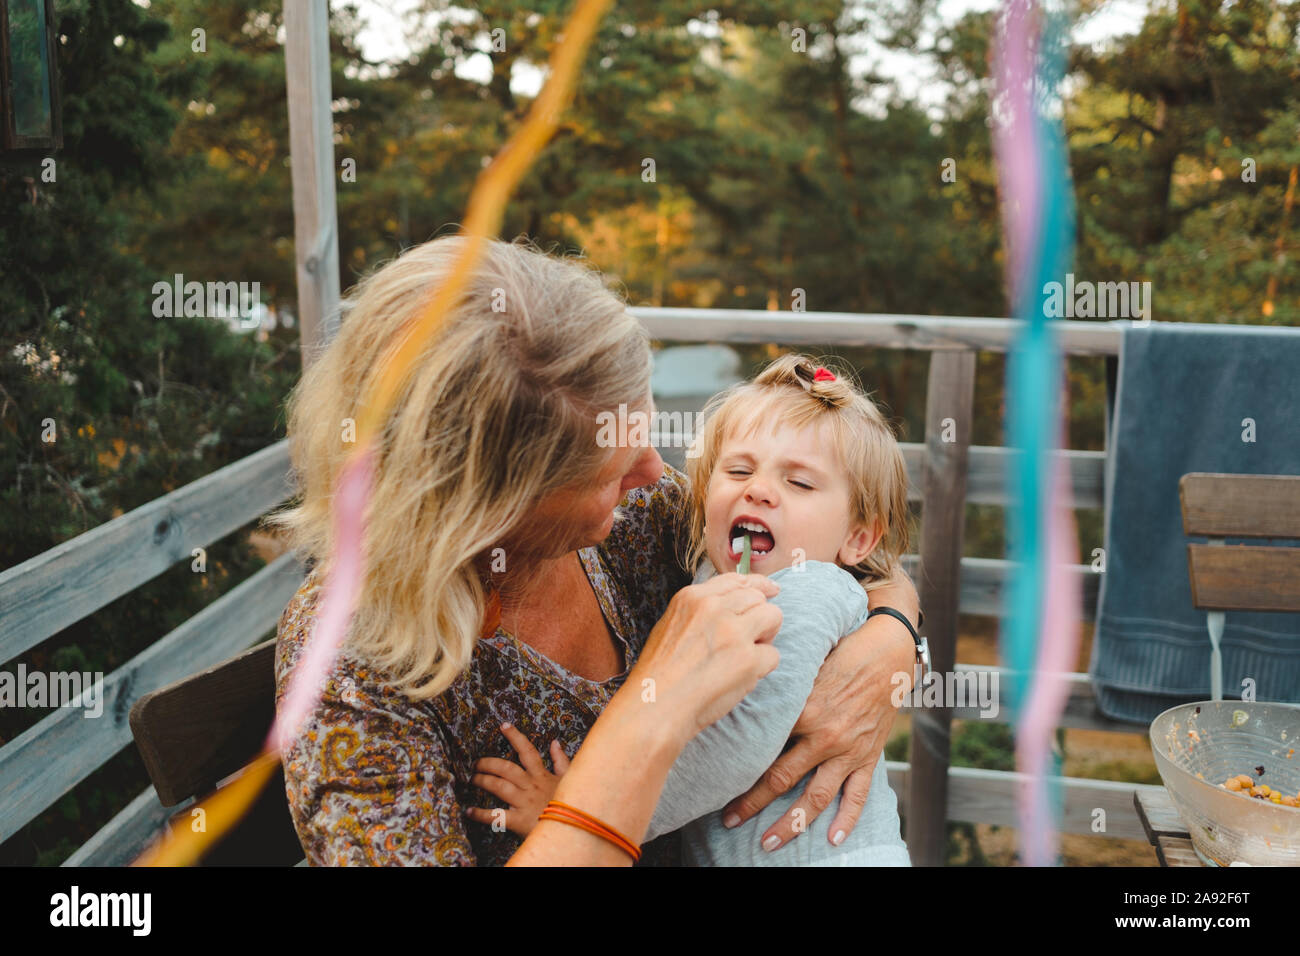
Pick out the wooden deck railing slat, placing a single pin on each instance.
(49, 759)
(983, 580)
(126, 836)
(45, 594)
(1080, 710)
(927, 332)
(989, 796)
(986, 482)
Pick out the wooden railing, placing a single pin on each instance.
(53, 590)
(75, 579)
(946, 473)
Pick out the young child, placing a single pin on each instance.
(806, 466)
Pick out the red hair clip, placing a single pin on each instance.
(823, 375)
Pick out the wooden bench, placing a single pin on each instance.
(195, 734)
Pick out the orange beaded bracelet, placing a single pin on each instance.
(563, 813)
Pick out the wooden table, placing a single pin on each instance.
(1165, 828)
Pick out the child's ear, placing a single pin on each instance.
(862, 540)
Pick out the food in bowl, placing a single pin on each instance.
(1199, 746)
(1245, 785)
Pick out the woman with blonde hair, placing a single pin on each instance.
(522, 581)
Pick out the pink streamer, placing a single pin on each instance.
(1013, 137)
(1058, 652)
(338, 602)
(1023, 189)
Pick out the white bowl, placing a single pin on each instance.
(1200, 745)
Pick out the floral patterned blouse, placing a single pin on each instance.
(375, 778)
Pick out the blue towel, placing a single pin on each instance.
(1184, 392)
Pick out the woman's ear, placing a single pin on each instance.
(862, 540)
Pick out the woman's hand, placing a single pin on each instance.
(713, 644)
(843, 730)
(711, 647)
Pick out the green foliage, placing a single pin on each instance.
(105, 406)
(991, 746)
(1160, 132)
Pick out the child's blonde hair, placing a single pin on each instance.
(865, 445)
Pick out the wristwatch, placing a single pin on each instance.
(922, 645)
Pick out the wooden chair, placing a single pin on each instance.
(200, 731)
(1240, 577)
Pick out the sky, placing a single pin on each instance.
(389, 21)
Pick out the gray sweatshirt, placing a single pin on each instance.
(820, 603)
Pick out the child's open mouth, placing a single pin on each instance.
(761, 540)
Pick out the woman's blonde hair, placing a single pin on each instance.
(786, 393)
(500, 410)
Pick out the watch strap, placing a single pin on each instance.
(922, 645)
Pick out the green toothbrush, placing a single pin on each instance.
(744, 557)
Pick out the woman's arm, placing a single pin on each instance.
(616, 777)
(711, 647)
(843, 730)
(818, 604)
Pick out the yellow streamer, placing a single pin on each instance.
(183, 846)
(487, 203)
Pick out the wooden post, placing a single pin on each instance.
(311, 146)
(948, 415)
